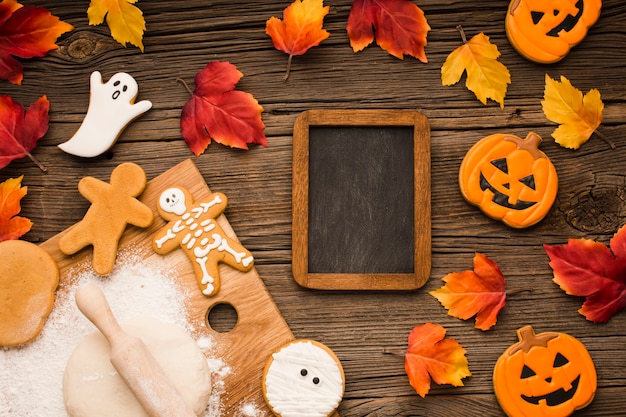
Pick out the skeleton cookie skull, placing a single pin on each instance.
(193, 227)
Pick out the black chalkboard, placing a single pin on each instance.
(361, 199)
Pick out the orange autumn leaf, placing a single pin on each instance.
(487, 78)
(578, 116)
(125, 20)
(399, 25)
(300, 29)
(432, 356)
(12, 226)
(479, 293)
(26, 32)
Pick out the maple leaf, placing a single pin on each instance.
(432, 356)
(12, 226)
(400, 27)
(479, 293)
(586, 268)
(125, 20)
(26, 32)
(300, 29)
(19, 130)
(486, 76)
(219, 112)
(578, 116)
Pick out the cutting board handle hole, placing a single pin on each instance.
(222, 317)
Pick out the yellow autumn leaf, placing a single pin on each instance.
(125, 20)
(577, 116)
(487, 78)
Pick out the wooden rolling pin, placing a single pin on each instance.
(132, 359)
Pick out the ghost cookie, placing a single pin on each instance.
(192, 226)
(304, 377)
(113, 207)
(111, 108)
(545, 374)
(28, 280)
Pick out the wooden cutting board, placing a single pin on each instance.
(260, 328)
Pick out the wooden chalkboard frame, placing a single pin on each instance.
(421, 205)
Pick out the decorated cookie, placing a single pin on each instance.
(192, 227)
(544, 30)
(509, 178)
(111, 108)
(545, 374)
(303, 378)
(113, 207)
(28, 280)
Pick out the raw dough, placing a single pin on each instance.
(93, 388)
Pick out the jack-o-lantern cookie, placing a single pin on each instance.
(544, 31)
(509, 178)
(28, 280)
(303, 377)
(545, 374)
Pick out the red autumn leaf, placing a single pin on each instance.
(26, 32)
(586, 268)
(300, 29)
(431, 356)
(216, 111)
(400, 27)
(479, 293)
(12, 226)
(19, 130)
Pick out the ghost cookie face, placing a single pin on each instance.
(303, 378)
(111, 108)
(28, 280)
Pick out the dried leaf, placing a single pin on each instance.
(400, 26)
(216, 111)
(19, 130)
(578, 116)
(300, 29)
(479, 293)
(586, 268)
(431, 356)
(12, 226)
(26, 32)
(487, 78)
(125, 20)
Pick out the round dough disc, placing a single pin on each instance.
(93, 388)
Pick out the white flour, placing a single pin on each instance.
(31, 377)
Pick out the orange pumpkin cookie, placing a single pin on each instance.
(544, 31)
(545, 374)
(509, 178)
(113, 207)
(28, 280)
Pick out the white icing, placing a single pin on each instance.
(111, 107)
(291, 394)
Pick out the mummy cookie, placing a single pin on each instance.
(28, 280)
(111, 108)
(113, 207)
(545, 374)
(304, 378)
(192, 227)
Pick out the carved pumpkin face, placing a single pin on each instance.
(509, 178)
(544, 30)
(544, 374)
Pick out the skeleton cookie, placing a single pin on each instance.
(192, 226)
(111, 107)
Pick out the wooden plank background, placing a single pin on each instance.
(182, 37)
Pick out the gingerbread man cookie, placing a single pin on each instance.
(192, 226)
(113, 206)
(111, 107)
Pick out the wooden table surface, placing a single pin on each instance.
(182, 37)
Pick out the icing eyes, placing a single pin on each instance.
(315, 379)
(117, 93)
(527, 372)
(559, 361)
